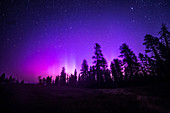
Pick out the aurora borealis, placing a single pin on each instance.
(39, 37)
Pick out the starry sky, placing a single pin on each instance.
(39, 37)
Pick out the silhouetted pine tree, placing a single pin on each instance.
(108, 79)
(10, 80)
(40, 80)
(113, 71)
(67, 78)
(79, 81)
(48, 80)
(98, 57)
(75, 78)
(130, 62)
(71, 80)
(91, 81)
(57, 80)
(22, 82)
(84, 73)
(44, 81)
(143, 64)
(2, 78)
(63, 77)
(17, 82)
(100, 64)
(152, 45)
(13, 80)
(165, 36)
(164, 47)
(116, 69)
(103, 63)
(152, 67)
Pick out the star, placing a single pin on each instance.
(70, 27)
(133, 21)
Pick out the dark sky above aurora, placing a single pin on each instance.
(39, 37)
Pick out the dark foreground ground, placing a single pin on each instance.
(53, 99)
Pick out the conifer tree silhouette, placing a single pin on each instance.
(108, 79)
(152, 45)
(63, 77)
(130, 61)
(165, 36)
(75, 78)
(164, 47)
(84, 73)
(57, 80)
(116, 69)
(143, 64)
(100, 64)
(2, 78)
(40, 80)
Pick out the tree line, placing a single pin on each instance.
(153, 66)
(9, 80)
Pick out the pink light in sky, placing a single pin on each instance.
(43, 40)
(46, 63)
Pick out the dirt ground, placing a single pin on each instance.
(31, 98)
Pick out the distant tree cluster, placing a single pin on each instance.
(153, 66)
(5, 80)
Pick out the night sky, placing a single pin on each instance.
(39, 37)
